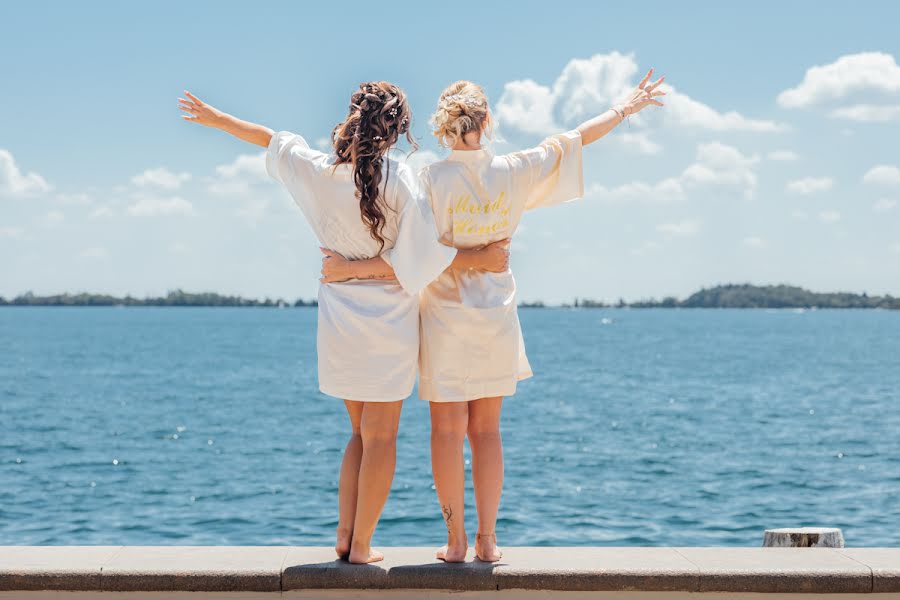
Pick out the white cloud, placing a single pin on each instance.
(95, 253)
(55, 217)
(10, 232)
(418, 159)
(101, 212)
(14, 182)
(884, 205)
(153, 207)
(810, 185)
(754, 241)
(782, 155)
(324, 144)
(75, 199)
(849, 74)
(830, 216)
(867, 113)
(683, 228)
(882, 175)
(716, 164)
(666, 190)
(179, 248)
(160, 177)
(587, 87)
(239, 175)
(895, 247)
(640, 141)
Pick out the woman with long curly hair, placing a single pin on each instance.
(472, 352)
(362, 204)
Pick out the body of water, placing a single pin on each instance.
(640, 427)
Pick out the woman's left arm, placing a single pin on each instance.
(203, 114)
(643, 96)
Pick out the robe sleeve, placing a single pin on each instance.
(417, 257)
(553, 170)
(290, 160)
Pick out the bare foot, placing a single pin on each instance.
(364, 556)
(486, 547)
(453, 554)
(342, 545)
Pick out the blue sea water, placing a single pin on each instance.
(641, 427)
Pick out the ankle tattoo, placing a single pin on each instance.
(448, 515)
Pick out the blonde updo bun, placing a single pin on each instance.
(462, 109)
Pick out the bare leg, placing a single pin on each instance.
(348, 481)
(378, 429)
(448, 433)
(487, 472)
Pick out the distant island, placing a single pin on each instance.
(721, 296)
(176, 298)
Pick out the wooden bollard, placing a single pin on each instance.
(804, 537)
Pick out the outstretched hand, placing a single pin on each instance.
(644, 95)
(199, 112)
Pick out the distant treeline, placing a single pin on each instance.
(722, 296)
(176, 298)
(756, 296)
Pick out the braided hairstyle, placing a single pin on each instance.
(379, 114)
(462, 109)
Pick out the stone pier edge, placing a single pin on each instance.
(286, 568)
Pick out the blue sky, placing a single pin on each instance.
(775, 160)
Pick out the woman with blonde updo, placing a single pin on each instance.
(472, 354)
(362, 204)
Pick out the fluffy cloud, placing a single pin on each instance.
(754, 242)
(417, 159)
(683, 228)
(10, 232)
(95, 253)
(782, 155)
(810, 185)
(829, 216)
(851, 75)
(238, 176)
(882, 175)
(161, 178)
(867, 113)
(884, 205)
(587, 87)
(155, 207)
(13, 182)
(716, 164)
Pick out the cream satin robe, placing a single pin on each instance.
(472, 344)
(368, 331)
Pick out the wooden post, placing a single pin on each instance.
(804, 537)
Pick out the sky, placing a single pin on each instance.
(775, 159)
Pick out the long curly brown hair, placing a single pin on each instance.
(379, 114)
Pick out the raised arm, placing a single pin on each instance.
(643, 96)
(335, 268)
(203, 114)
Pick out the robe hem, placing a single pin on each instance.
(505, 390)
(361, 397)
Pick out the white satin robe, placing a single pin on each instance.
(368, 331)
(472, 344)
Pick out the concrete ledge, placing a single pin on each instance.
(281, 569)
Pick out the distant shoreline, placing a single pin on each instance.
(722, 296)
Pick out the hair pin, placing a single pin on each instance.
(464, 99)
(393, 112)
(377, 138)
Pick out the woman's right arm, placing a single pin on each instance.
(203, 114)
(643, 96)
